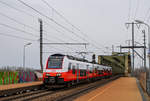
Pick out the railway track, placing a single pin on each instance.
(22, 95)
(62, 94)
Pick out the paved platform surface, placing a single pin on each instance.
(122, 89)
(19, 85)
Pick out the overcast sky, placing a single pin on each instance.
(101, 21)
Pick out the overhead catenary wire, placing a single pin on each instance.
(129, 12)
(67, 20)
(15, 36)
(19, 10)
(23, 23)
(136, 9)
(29, 33)
(60, 32)
(148, 19)
(52, 20)
(20, 30)
(2, 14)
(18, 37)
(60, 15)
(146, 15)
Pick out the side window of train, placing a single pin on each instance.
(82, 72)
(100, 71)
(91, 70)
(69, 66)
(95, 69)
(73, 69)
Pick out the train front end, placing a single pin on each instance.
(53, 71)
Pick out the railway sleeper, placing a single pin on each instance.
(21, 90)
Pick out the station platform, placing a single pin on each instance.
(19, 85)
(122, 89)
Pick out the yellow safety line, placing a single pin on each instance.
(100, 93)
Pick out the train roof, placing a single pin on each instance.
(78, 59)
(73, 58)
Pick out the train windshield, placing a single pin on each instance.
(55, 62)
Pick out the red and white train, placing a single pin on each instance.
(63, 69)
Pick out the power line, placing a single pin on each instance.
(21, 12)
(18, 37)
(129, 10)
(66, 19)
(148, 11)
(148, 18)
(21, 30)
(50, 19)
(18, 22)
(24, 12)
(4, 3)
(18, 30)
(137, 8)
(59, 31)
(21, 23)
(60, 15)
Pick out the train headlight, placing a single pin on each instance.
(59, 74)
(47, 74)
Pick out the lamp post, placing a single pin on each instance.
(148, 81)
(24, 53)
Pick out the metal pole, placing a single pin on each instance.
(133, 48)
(144, 51)
(112, 48)
(24, 53)
(41, 43)
(120, 49)
(147, 74)
(148, 81)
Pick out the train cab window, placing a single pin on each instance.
(73, 69)
(69, 66)
(55, 62)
